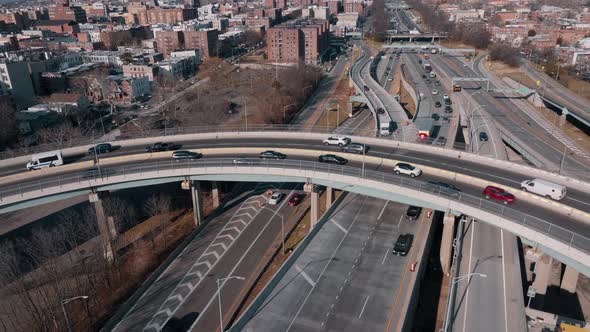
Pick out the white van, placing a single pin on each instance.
(45, 159)
(544, 188)
(384, 129)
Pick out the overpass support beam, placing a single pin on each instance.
(197, 202)
(215, 194)
(446, 245)
(315, 208)
(329, 197)
(570, 280)
(542, 274)
(106, 225)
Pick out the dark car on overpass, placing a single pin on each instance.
(161, 146)
(101, 148)
(332, 159)
(272, 155)
(403, 244)
(413, 212)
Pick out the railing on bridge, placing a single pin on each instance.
(110, 175)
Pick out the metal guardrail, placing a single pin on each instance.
(92, 178)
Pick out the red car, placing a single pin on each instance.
(499, 194)
(295, 199)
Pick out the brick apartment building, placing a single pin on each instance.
(21, 20)
(204, 40)
(304, 40)
(63, 11)
(169, 41)
(112, 39)
(352, 6)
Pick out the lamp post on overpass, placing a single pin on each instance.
(219, 297)
(63, 308)
(282, 224)
(447, 322)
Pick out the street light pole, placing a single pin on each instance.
(63, 308)
(219, 297)
(454, 281)
(282, 224)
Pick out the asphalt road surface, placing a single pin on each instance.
(347, 278)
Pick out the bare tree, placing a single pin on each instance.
(59, 134)
(158, 204)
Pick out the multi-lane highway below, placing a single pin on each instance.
(347, 279)
(236, 243)
(541, 144)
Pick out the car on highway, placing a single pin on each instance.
(161, 146)
(544, 188)
(390, 79)
(185, 155)
(448, 109)
(45, 159)
(337, 140)
(380, 110)
(332, 159)
(483, 136)
(441, 141)
(448, 102)
(101, 148)
(275, 198)
(446, 120)
(366, 88)
(424, 76)
(446, 96)
(403, 244)
(443, 187)
(295, 199)
(434, 91)
(407, 169)
(245, 161)
(358, 148)
(428, 81)
(437, 104)
(499, 194)
(435, 116)
(269, 154)
(436, 83)
(413, 212)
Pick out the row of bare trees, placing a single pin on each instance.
(64, 260)
(380, 19)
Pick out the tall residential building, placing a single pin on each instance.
(73, 13)
(284, 44)
(303, 40)
(170, 15)
(21, 20)
(204, 40)
(15, 81)
(169, 41)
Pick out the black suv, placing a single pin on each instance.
(272, 155)
(403, 244)
(413, 212)
(437, 104)
(332, 159)
(483, 136)
(435, 116)
(100, 148)
(160, 146)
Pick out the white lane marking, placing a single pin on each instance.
(325, 267)
(385, 256)
(246, 253)
(400, 221)
(364, 305)
(339, 226)
(382, 210)
(573, 199)
(304, 275)
(504, 281)
(469, 278)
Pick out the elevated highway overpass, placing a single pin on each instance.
(560, 226)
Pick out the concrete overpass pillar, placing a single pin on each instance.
(542, 274)
(446, 245)
(196, 191)
(106, 226)
(215, 194)
(570, 280)
(329, 197)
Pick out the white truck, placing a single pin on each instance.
(45, 159)
(544, 188)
